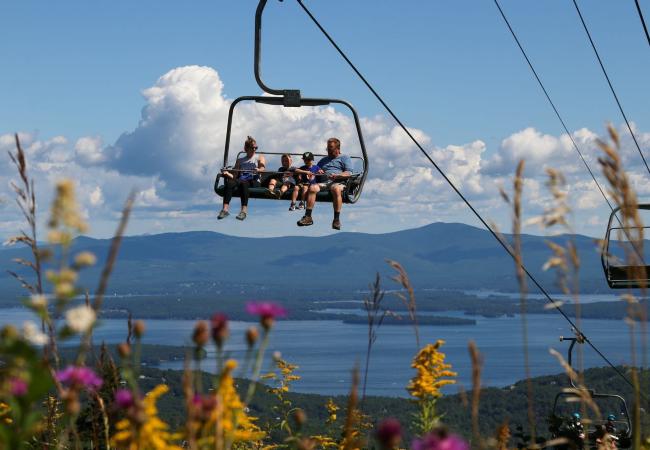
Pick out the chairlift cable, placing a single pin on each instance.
(548, 97)
(645, 28)
(457, 191)
(557, 113)
(611, 87)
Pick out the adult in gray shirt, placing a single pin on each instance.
(334, 170)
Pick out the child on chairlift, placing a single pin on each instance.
(306, 177)
(285, 175)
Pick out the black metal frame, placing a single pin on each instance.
(621, 277)
(291, 98)
(624, 436)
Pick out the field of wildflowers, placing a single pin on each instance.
(93, 401)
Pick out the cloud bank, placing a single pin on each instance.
(172, 155)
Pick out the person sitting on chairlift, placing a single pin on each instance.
(243, 176)
(337, 168)
(285, 176)
(306, 177)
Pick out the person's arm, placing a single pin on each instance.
(230, 175)
(261, 164)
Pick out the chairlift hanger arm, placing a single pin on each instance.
(291, 97)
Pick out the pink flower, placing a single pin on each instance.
(204, 405)
(82, 377)
(389, 433)
(440, 440)
(267, 311)
(124, 398)
(17, 387)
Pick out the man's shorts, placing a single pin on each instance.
(327, 185)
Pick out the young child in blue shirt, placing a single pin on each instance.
(306, 176)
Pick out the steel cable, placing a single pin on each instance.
(611, 87)
(460, 194)
(645, 28)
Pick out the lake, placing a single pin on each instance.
(326, 351)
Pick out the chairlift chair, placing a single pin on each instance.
(558, 421)
(291, 98)
(622, 272)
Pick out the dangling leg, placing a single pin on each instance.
(337, 203)
(229, 187)
(244, 194)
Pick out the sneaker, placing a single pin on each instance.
(336, 224)
(305, 221)
(241, 216)
(292, 207)
(222, 214)
(301, 205)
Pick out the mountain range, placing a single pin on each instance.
(436, 256)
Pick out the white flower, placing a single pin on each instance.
(33, 334)
(80, 319)
(38, 301)
(85, 259)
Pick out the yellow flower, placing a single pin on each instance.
(286, 371)
(227, 422)
(431, 372)
(235, 424)
(151, 434)
(5, 411)
(331, 411)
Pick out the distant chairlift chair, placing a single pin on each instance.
(621, 270)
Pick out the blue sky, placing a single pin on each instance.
(450, 69)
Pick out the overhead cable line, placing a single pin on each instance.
(611, 87)
(457, 191)
(645, 28)
(548, 97)
(557, 113)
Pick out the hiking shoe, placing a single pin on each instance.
(292, 207)
(336, 224)
(301, 205)
(241, 216)
(222, 214)
(305, 221)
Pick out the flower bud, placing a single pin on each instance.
(251, 336)
(85, 259)
(9, 332)
(63, 290)
(138, 328)
(72, 404)
(306, 443)
(300, 417)
(201, 334)
(219, 324)
(124, 350)
(389, 433)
